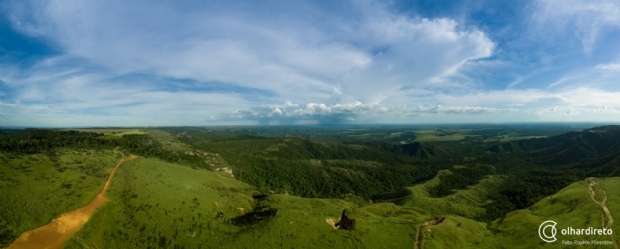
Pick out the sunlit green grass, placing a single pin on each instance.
(437, 138)
(508, 138)
(168, 140)
(570, 207)
(34, 190)
(157, 197)
(128, 132)
(112, 132)
(464, 202)
(162, 205)
(153, 203)
(156, 203)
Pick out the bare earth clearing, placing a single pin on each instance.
(58, 231)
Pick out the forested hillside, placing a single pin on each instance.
(569, 148)
(47, 142)
(550, 164)
(316, 169)
(533, 168)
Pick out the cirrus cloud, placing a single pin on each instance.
(177, 63)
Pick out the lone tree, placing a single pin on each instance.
(345, 223)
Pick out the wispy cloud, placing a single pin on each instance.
(615, 67)
(584, 19)
(195, 63)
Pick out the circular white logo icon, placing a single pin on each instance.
(547, 231)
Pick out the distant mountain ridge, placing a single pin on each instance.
(572, 147)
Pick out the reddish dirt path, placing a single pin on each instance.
(58, 231)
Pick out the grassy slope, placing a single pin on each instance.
(508, 138)
(159, 197)
(114, 132)
(160, 204)
(168, 140)
(571, 206)
(301, 223)
(34, 190)
(157, 203)
(465, 202)
(150, 193)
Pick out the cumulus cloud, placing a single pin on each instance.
(340, 113)
(177, 63)
(246, 44)
(483, 106)
(421, 53)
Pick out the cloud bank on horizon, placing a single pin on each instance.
(152, 63)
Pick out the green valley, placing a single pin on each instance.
(196, 187)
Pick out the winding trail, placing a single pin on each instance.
(59, 230)
(603, 204)
(418, 234)
(420, 239)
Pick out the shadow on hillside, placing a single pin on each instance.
(253, 217)
(397, 197)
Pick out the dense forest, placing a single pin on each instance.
(318, 169)
(33, 141)
(329, 169)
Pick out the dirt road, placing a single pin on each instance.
(58, 231)
(603, 205)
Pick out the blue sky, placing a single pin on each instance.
(154, 63)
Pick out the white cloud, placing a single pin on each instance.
(558, 82)
(79, 99)
(578, 103)
(587, 20)
(370, 65)
(615, 67)
(250, 47)
(338, 113)
(421, 53)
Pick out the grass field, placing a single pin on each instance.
(126, 132)
(155, 204)
(508, 138)
(437, 138)
(442, 135)
(158, 204)
(161, 205)
(168, 140)
(464, 202)
(34, 189)
(111, 131)
(570, 207)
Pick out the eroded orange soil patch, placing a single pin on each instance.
(58, 231)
